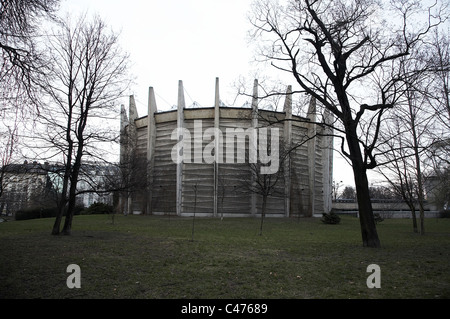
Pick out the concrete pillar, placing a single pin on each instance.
(327, 158)
(123, 134)
(286, 150)
(180, 125)
(123, 201)
(253, 209)
(131, 145)
(216, 146)
(312, 156)
(132, 111)
(151, 140)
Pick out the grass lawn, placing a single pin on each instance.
(154, 257)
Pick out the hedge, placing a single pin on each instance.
(40, 212)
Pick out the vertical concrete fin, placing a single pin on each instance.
(255, 104)
(286, 150)
(152, 108)
(180, 125)
(123, 134)
(123, 118)
(255, 126)
(312, 109)
(123, 141)
(131, 143)
(217, 150)
(151, 140)
(288, 102)
(132, 111)
(217, 95)
(151, 126)
(181, 101)
(312, 128)
(327, 160)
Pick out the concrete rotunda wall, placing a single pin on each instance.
(220, 188)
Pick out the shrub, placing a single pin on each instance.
(331, 218)
(444, 214)
(37, 212)
(77, 210)
(98, 208)
(378, 218)
(25, 214)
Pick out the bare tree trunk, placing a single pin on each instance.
(57, 223)
(368, 227)
(414, 218)
(263, 213)
(195, 208)
(420, 195)
(67, 229)
(63, 200)
(367, 221)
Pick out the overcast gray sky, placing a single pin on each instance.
(190, 40)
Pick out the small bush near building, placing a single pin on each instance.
(378, 218)
(331, 218)
(98, 208)
(444, 214)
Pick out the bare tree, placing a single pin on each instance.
(439, 99)
(263, 184)
(19, 69)
(130, 180)
(20, 59)
(407, 139)
(439, 59)
(87, 74)
(419, 127)
(333, 49)
(336, 187)
(401, 172)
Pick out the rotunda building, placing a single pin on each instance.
(225, 161)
